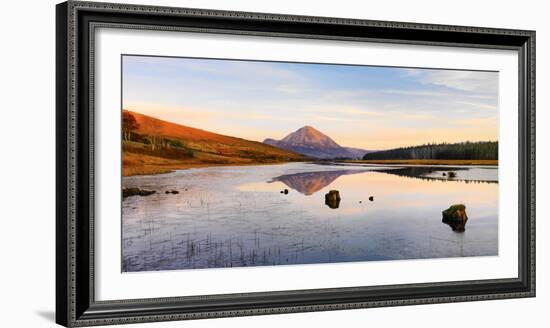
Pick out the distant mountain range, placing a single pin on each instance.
(312, 143)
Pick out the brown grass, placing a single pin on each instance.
(428, 161)
(212, 143)
(139, 164)
(200, 149)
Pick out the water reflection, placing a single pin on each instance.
(463, 174)
(456, 225)
(309, 183)
(236, 216)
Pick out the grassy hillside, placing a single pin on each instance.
(153, 146)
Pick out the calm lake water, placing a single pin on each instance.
(237, 216)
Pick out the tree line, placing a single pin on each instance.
(487, 150)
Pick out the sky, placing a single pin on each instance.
(367, 107)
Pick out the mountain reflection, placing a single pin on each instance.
(309, 183)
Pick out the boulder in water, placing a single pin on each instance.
(455, 216)
(127, 192)
(332, 199)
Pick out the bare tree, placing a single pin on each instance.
(152, 128)
(129, 124)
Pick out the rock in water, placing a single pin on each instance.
(455, 216)
(332, 199)
(143, 192)
(286, 191)
(371, 198)
(127, 192)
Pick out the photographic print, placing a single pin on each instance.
(348, 163)
(236, 163)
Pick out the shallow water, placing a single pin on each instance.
(237, 216)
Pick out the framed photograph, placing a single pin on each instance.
(214, 163)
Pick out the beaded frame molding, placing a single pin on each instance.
(75, 30)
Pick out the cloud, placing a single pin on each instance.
(418, 93)
(467, 80)
(471, 81)
(344, 110)
(479, 122)
(256, 100)
(491, 107)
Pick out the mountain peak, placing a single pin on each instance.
(307, 128)
(310, 137)
(311, 142)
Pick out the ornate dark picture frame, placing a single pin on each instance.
(75, 301)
